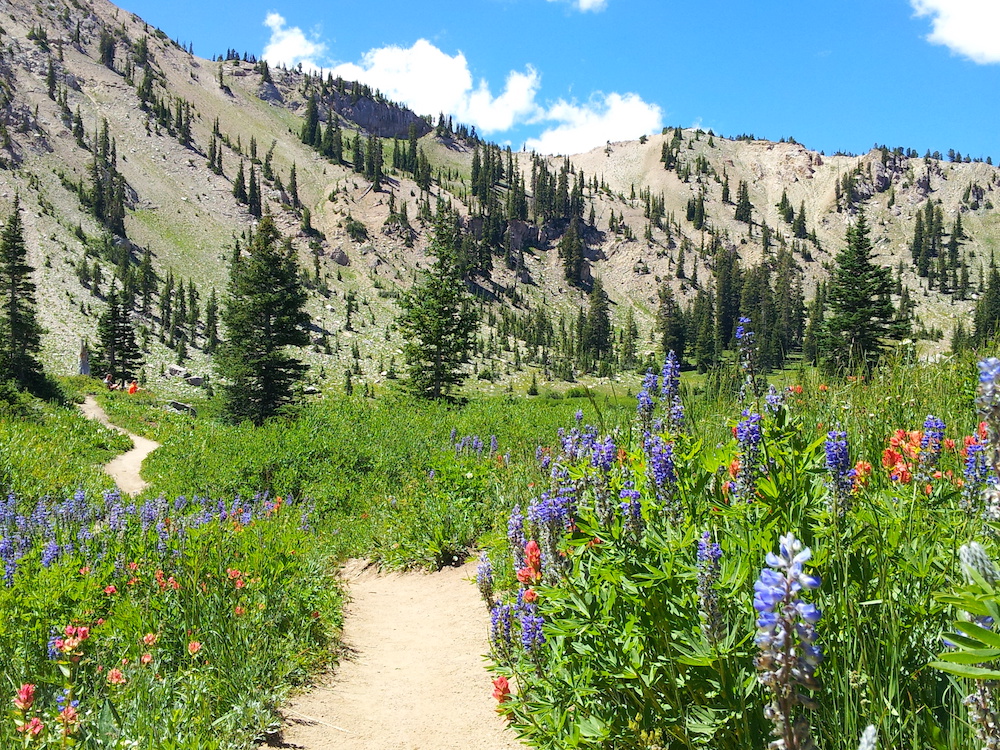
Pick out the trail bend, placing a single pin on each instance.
(124, 469)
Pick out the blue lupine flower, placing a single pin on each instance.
(662, 474)
(838, 464)
(484, 579)
(709, 554)
(501, 626)
(930, 444)
(748, 436)
(515, 536)
(603, 456)
(644, 401)
(50, 554)
(786, 636)
(774, 400)
(671, 393)
(493, 443)
(631, 508)
(532, 637)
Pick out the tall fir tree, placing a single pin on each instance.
(264, 314)
(862, 317)
(438, 321)
(117, 351)
(20, 333)
(597, 333)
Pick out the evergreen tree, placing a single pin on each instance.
(264, 314)
(117, 351)
(744, 209)
(799, 223)
(570, 249)
(20, 333)
(861, 312)
(670, 324)
(597, 327)
(438, 322)
(293, 187)
(240, 185)
(253, 193)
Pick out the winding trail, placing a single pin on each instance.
(124, 469)
(413, 677)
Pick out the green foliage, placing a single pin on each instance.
(197, 627)
(626, 661)
(438, 321)
(20, 333)
(861, 316)
(264, 314)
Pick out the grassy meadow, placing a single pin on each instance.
(206, 598)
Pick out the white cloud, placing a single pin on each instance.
(585, 5)
(614, 117)
(430, 81)
(290, 46)
(968, 27)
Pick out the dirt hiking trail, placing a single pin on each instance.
(125, 468)
(413, 676)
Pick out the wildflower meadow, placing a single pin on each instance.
(787, 577)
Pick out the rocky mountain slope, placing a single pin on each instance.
(72, 71)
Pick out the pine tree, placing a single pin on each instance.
(293, 187)
(20, 333)
(861, 312)
(240, 185)
(670, 324)
(253, 193)
(597, 327)
(117, 351)
(799, 223)
(438, 322)
(264, 314)
(744, 209)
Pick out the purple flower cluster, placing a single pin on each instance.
(786, 635)
(709, 554)
(532, 637)
(484, 579)
(92, 529)
(472, 444)
(631, 508)
(976, 475)
(662, 475)
(774, 400)
(501, 627)
(838, 465)
(645, 401)
(671, 393)
(931, 443)
(748, 436)
(550, 516)
(515, 536)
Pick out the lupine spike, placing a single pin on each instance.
(786, 634)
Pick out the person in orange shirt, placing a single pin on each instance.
(133, 387)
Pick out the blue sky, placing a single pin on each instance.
(564, 76)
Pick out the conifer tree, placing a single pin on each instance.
(240, 185)
(670, 324)
(861, 312)
(264, 315)
(799, 223)
(438, 321)
(117, 351)
(744, 209)
(20, 333)
(293, 187)
(597, 327)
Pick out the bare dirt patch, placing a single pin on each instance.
(414, 674)
(124, 469)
